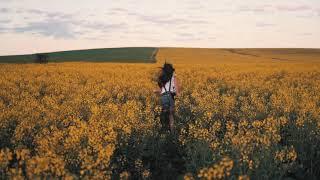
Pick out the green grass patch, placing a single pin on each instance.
(125, 55)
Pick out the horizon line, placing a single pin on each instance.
(181, 47)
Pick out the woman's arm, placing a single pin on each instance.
(157, 91)
(177, 86)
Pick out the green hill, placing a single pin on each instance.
(126, 55)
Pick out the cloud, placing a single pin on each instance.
(156, 19)
(293, 7)
(309, 15)
(132, 14)
(103, 27)
(116, 11)
(46, 13)
(54, 24)
(35, 11)
(186, 35)
(263, 24)
(196, 6)
(3, 29)
(160, 20)
(3, 25)
(68, 29)
(251, 9)
(198, 22)
(281, 7)
(4, 10)
(4, 21)
(5, 1)
(119, 10)
(53, 28)
(57, 24)
(306, 34)
(255, 9)
(167, 20)
(187, 39)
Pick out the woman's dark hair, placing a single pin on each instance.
(166, 74)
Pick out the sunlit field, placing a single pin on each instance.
(238, 116)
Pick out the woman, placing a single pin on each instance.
(168, 89)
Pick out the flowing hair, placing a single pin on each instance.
(166, 74)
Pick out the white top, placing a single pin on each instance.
(172, 88)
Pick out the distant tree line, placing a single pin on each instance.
(41, 58)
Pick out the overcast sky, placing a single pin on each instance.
(31, 26)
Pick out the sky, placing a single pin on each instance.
(32, 26)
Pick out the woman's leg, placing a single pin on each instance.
(171, 121)
(171, 112)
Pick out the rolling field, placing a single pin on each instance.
(124, 55)
(208, 56)
(241, 114)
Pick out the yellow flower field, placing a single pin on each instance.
(239, 120)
